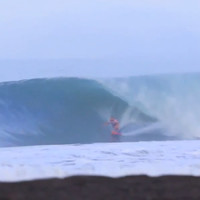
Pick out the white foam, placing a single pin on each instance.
(111, 159)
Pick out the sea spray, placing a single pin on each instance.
(172, 99)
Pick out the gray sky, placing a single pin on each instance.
(141, 37)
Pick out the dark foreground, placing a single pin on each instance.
(96, 188)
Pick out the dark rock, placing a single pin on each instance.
(104, 188)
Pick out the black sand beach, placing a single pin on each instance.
(104, 188)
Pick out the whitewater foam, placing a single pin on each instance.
(103, 159)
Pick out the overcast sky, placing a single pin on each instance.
(143, 36)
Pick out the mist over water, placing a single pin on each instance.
(172, 99)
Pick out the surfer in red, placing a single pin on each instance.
(116, 128)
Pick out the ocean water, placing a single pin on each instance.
(55, 127)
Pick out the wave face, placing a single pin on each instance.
(74, 110)
(60, 111)
(173, 99)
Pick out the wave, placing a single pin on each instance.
(74, 110)
(61, 111)
(173, 99)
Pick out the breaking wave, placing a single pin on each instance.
(173, 99)
(74, 110)
(60, 111)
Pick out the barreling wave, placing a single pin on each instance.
(61, 111)
(74, 110)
